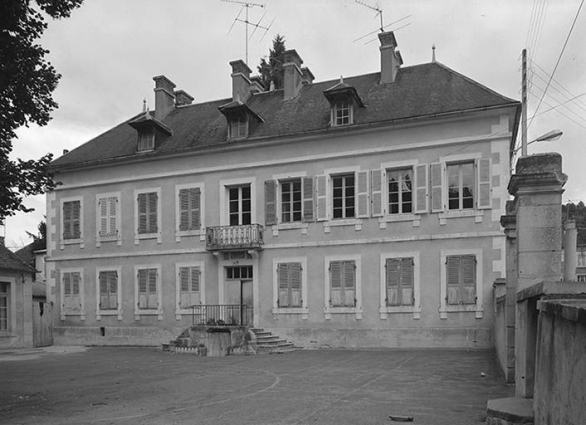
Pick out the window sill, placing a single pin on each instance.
(138, 237)
(72, 242)
(468, 308)
(100, 313)
(395, 218)
(404, 309)
(477, 214)
(187, 233)
(81, 314)
(328, 311)
(303, 311)
(148, 312)
(298, 225)
(339, 222)
(114, 238)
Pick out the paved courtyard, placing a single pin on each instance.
(119, 386)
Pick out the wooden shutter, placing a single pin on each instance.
(295, 283)
(152, 214)
(270, 202)
(108, 217)
(104, 298)
(407, 281)
(67, 225)
(184, 210)
(322, 204)
(421, 188)
(437, 177)
(362, 195)
(349, 282)
(468, 279)
(103, 208)
(184, 287)
(376, 191)
(142, 288)
(283, 283)
(153, 299)
(113, 214)
(76, 218)
(336, 287)
(113, 289)
(393, 276)
(73, 299)
(308, 196)
(195, 193)
(189, 209)
(484, 179)
(453, 280)
(195, 285)
(142, 213)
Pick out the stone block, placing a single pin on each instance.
(540, 239)
(539, 216)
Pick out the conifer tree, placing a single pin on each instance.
(273, 69)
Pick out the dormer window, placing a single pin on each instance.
(238, 125)
(146, 140)
(342, 112)
(343, 100)
(151, 132)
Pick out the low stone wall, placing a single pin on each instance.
(215, 341)
(560, 382)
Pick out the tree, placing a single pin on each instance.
(27, 82)
(273, 69)
(40, 239)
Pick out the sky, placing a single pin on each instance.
(108, 51)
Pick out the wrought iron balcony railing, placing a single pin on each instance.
(249, 236)
(221, 315)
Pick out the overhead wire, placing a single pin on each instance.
(580, 103)
(551, 97)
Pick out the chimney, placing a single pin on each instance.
(307, 76)
(390, 58)
(183, 98)
(240, 80)
(293, 80)
(164, 96)
(256, 85)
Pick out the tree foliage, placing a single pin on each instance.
(40, 239)
(27, 82)
(571, 211)
(273, 69)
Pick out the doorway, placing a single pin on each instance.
(239, 292)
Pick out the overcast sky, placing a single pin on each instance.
(109, 50)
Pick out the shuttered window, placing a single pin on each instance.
(71, 291)
(108, 210)
(190, 281)
(147, 213)
(4, 306)
(343, 284)
(461, 279)
(147, 289)
(291, 201)
(108, 281)
(461, 186)
(400, 185)
(399, 281)
(289, 282)
(189, 209)
(72, 220)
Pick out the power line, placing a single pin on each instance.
(560, 85)
(560, 103)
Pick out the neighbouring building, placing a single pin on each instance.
(359, 212)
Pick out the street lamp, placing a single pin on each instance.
(550, 136)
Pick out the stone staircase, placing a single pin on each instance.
(267, 343)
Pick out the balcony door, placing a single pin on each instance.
(239, 201)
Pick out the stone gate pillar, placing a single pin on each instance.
(509, 223)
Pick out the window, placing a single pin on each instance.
(146, 139)
(399, 281)
(147, 289)
(581, 278)
(239, 204)
(4, 306)
(108, 218)
(343, 196)
(400, 185)
(238, 125)
(190, 281)
(289, 282)
(189, 209)
(289, 201)
(460, 186)
(147, 214)
(461, 282)
(71, 221)
(291, 204)
(342, 284)
(108, 281)
(72, 293)
(239, 272)
(342, 112)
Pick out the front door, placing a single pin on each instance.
(239, 293)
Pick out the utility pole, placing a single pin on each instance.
(524, 104)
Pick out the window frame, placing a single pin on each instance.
(110, 238)
(146, 139)
(477, 307)
(156, 235)
(303, 310)
(72, 241)
(178, 266)
(415, 309)
(65, 312)
(194, 232)
(338, 106)
(324, 201)
(357, 309)
(10, 307)
(225, 185)
(138, 312)
(461, 197)
(242, 126)
(306, 202)
(109, 312)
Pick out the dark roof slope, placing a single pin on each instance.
(9, 261)
(418, 91)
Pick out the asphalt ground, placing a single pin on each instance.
(125, 385)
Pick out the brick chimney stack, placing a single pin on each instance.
(240, 81)
(164, 96)
(390, 58)
(293, 79)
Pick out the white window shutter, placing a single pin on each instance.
(321, 191)
(484, 179)
(376, 192)
(421, 189)
(308, 195)
(270, 202)
(437, 193)
(362, 195)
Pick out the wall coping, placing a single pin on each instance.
(545, 288)
(570, 309)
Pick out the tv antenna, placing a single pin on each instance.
(245, 6)
(379, 13)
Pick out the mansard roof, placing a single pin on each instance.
(419, 92)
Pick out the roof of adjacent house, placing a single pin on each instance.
(9, 261)
(420, 91)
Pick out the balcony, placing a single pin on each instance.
(226, 238)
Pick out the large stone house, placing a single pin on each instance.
(359, 212)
